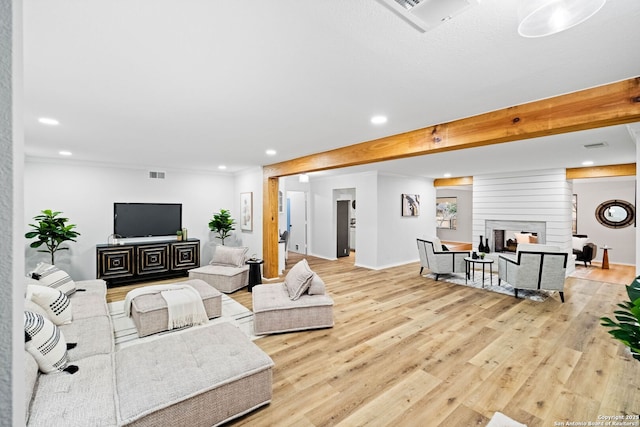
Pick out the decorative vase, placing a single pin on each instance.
(486, 245)
(481, 245)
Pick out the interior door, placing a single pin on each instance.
(297, 218)
(342, 228)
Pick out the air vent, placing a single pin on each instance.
(595, 145)
(156, 175)
(424, 15)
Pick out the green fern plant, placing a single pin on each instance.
(51, 231)
(627, 329)
(222, 223)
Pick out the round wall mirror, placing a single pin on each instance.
(615, 214)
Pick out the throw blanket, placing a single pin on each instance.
(184, 304)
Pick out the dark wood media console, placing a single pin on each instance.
(136, 262)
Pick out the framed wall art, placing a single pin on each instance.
(410, 204)
(446, 212)
(246, 211)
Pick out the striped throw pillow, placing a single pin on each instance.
(52, 276)
(54, 302)
(45, 342)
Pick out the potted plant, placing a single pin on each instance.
(51, 231)
(179, 235)
(222, 223)
(627, 330)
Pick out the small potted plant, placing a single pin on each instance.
(222, 223)
(627, 329)
(51, 231)
(179, 235)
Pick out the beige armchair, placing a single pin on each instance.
(439, 261)
(534, 267)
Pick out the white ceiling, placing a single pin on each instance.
(198, 83)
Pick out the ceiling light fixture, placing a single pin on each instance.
(222, 167)
(303, 177)
(378, 120)
(587, 163)
(65, 153)
(48, 121)
(539, 18)
(271, 152)
(447, 175)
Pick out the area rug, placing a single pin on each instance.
(491, 284)
(125, 332)
(501, 420)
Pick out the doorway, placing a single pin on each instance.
(297, 221)
(342, 228)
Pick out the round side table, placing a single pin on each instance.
(255, 275)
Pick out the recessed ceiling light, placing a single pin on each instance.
(271, 152)
(48, 121)
(447, 175)
(303, 177)
(587, 163)
(64, 153)
(222, 167)
(378, 120)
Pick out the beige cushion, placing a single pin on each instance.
(522, 237)
(316, 287)
(55, 303)
(226, 255)
(298, 279)
(533, 239)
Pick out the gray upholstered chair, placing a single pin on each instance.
(534, 267)
(439, 261)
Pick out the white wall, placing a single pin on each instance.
(397, 234)
(11, 205)
(591, 193)
(86, 193)
(464, 230)
(383, 238)
(525, 196)
(245, 182)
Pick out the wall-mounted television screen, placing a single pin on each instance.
(146, 219)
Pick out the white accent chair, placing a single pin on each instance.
(438, 261)
(534, 267)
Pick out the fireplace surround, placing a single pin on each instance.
(505, 229)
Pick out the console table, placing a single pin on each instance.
(135, 262)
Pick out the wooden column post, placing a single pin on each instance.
(270, 236)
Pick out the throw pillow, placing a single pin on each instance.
(233, 256)
(316, 287)
(579, 242)
(298, 279)
(52, 276)
(533, 239)
(45, 342)
(522, 237)
(55, 303)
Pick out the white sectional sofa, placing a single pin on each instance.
(200, 377)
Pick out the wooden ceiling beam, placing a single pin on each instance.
(628, 169)
(602, 106)
(453, 182)
(612, 104)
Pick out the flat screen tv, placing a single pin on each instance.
(146, 219)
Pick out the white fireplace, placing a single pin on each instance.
(539, 228)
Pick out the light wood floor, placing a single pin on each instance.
(406, 350)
